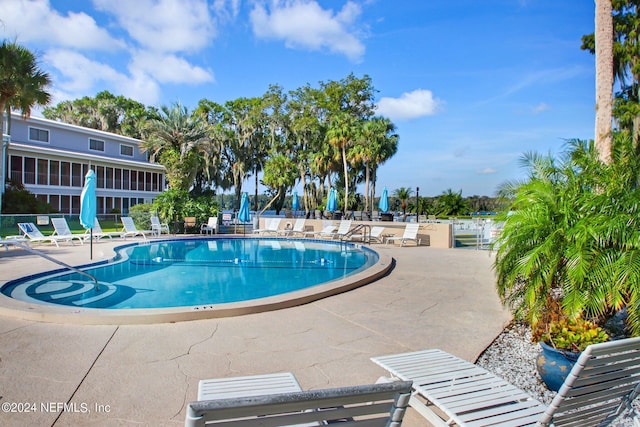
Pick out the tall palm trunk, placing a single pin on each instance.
(604, 78)
(346, 178)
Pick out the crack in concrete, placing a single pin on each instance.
(428, 308)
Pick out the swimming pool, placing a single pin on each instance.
(199, 275)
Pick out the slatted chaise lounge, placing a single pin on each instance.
(410, 233)
(276, 400)
(62, 230)
(130, 229)
(450, 391)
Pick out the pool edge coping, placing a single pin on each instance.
(76, 315)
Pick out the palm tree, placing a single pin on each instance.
(604, 77)
(569, 246)
(452, 203)
(22, 85)
(173, 139)
(342, 133)
(403, 194)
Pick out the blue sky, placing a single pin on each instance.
(470, 85)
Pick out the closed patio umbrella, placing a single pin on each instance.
(88, 206)
(294, 203)
(332, 202)
(383, 204)
(243, 213)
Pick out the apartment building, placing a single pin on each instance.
(51, 159)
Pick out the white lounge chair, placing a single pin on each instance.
(13, 241)
(602, 384)
(298, 228)
(410, 233)
(31, 232)
(61, 229)
(374, 236)
(98, 234)
(211, 227)
(271, 226)
(327, 231)
(158, 227)
(343, 229)
(130, 229)
(277, 400)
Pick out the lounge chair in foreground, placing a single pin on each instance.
(130, 229)
(159, 227)
(271, 226)
(276, 400)
(98, 234)
(62, 230)
(33, 234)
(602, 384)
(410, 234)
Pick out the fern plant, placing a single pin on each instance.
(570, 244)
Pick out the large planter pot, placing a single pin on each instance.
(554, 365)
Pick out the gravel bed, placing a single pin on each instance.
(512, 356)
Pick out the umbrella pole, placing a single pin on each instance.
(91, 243)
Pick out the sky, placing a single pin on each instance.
(470, 85)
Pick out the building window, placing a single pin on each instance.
(29, 170)
(40, 135)
(65, 174)
(134, 180)
(16, 169)
(96, 144)
(126, 150)
(54, 173)
(109, 183)
(118, 179)
(125, 179)
(43, 172)
(76, 175)
(100, 176)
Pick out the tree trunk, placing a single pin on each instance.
(604, 78)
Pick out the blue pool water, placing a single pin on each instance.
(195, 272)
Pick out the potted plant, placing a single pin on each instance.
(561, 346)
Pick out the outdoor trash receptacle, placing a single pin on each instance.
(337, 215)
(386, 217)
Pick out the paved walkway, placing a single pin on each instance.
(144, 375)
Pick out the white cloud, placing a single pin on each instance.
(540, 108)
(410, 105)
(169, 68)
(80, 75)
(36, 21)
(163, 25)
(303, 24)
(487, 171)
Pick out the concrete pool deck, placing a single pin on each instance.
(144, 375)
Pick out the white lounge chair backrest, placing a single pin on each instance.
(298, 226)
(344, 227)
(411, 231)
(96, 226)
(376, 231)
(131, 230)
(274, 224)
(61, 227)
(157, 226)
(30, 230)
(364, 405)
(213, 222)
(128, 224)
(602, 384)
